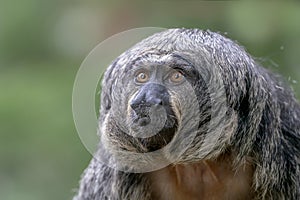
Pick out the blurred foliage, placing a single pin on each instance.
(42, 44)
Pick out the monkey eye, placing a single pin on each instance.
(142, 76)
(176, 77)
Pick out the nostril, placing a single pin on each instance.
(143, 105)
(134, 105)
(159, 102)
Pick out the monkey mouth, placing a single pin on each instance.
(152, 120)
(150, 132)
(150, 144)
(158, 141)
(142, 120)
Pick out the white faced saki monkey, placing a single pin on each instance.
(187, 114)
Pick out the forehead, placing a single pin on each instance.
(161, 60)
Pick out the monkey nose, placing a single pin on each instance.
(155, 101)
(138, 106)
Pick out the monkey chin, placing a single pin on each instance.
(151, 132)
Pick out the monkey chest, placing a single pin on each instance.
(204, 180)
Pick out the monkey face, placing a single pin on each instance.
(165, 99)
(151, 103)
(151, 115)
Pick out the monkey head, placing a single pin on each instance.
(160, 96)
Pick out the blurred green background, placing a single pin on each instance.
(42, 44)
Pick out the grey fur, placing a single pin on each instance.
(262, 122)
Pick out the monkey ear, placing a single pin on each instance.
(106, 89)
(105, 101)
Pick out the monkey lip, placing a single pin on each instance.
(151, 130)
(144, 121)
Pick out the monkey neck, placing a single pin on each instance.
(203, 180)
